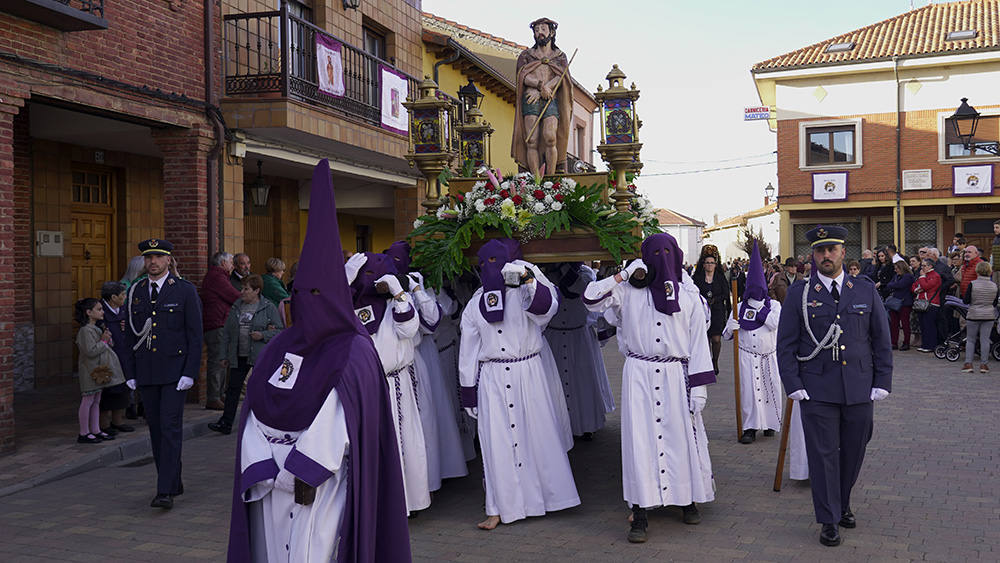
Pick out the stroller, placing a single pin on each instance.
(953, 347)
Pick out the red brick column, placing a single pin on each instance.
(185, 207)
(10, 104)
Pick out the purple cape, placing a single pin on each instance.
(756, 289)
(337, 354)
(665, 261)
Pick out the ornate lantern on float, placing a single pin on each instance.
(474, 132)
(432, 141)
(619, 132)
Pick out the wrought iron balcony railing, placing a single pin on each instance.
(275, 53)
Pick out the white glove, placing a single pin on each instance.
(130, 384)
(799, 395)
(393, 283)
(472, 411)
(285, 481)
(878, 394)
(636, 264)
(732, 325)
(185, 383)
(417, 281)
(699, 397)
(354, 265)
(510, 269)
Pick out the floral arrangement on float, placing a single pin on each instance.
(518, 206)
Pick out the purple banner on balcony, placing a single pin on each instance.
(394, 87)
(330, 66)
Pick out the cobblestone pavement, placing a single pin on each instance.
(929, 490)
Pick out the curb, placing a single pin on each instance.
(126, 450)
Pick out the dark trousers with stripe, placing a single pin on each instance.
(164, 406)
(836, 438)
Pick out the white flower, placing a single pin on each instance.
(479, 185)
(583, 198)
(539, 207)
(548, 199)
(556, 206)
(547, 185)
(482, 170)
(568, 183)
(417, 224)
(480, 206)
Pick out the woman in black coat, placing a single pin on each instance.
(715, 289)
(885, 274)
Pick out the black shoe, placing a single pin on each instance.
(88, 439)
(110, 431)
(637, 531)
(904, 347)
(769, 432)
(162, 501)
(691, 514)
(130, 413)
(748, 436)
(588, 436)
(123, 427)
(847, 519)
(220, 427)
(830, 536)
(105, 436)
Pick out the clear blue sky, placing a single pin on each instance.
(691, 60)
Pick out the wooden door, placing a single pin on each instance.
(91, 253)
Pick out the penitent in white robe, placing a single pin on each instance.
(394, 343)
(665, 457)
(579, 361)
(526, 469)
(282, 530)
(445, 457)
(760, 385)
(446, 339)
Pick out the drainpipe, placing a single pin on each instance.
(214, 175)
(454, 57)
(899, 159)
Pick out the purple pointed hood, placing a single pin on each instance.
(492, 258)
(369, 305)
(756, 289)
(665, 261)
(399, 251)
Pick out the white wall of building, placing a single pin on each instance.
(728, 239)
(688, 239)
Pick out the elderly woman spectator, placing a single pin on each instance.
(217, 298)
(981, 295)
(135, 271)
(274, 289)
(115, 399)
(928, 288)
(251, 323)
(900, 303)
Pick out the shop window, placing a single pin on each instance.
(852, 243)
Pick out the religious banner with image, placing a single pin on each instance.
(829, 186)
(394, 87)
(973, 180)
(329, 66)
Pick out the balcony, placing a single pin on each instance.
(260, 60)
(64, 15)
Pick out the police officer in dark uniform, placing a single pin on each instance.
(835, 359)
(165, 334)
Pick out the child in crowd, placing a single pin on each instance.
(97, 369)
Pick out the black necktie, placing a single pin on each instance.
(156, 293)
(834, 291)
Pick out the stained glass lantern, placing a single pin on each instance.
(619, 122)
(474, 132)
(432, 141)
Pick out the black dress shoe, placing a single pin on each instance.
(88, 439)
(162, 501)
(748, 436)
(904, 347)
(769, 433)
(847, 519)
(220, 427)
(637, 531)
(691, 514)
(105, 436)
(588, 436)
(830, 536)
(110, 431)
(123, 427)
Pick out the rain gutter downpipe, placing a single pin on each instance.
(214, 172)
(899, 158)
(451, 58)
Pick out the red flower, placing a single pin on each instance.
(556, 186)
(460, 197)
(490, 187)
(504, 194)
(489, 201)
(539, 194)
(613, 183)
(558, 197)
(517, 199)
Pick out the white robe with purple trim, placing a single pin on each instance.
(527, 471)
(446, 339)
(394, 343)
(578, 360)
(760, 386)
(445, 457)
(665, 458)
(280, 529)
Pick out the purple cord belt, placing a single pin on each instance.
(504, 361)
(657, 359)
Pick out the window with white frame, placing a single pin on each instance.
(987, 133)
(830, 144)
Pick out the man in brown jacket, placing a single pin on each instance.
(779, 286)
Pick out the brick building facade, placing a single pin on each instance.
(871, 108)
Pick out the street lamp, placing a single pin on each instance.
(474, 131)
(259, 188)
(352, 4)
(769, 192)
(471, 96)
(965, 120)
(619, 132)
(431, 140)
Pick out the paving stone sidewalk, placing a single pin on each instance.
(929, 491)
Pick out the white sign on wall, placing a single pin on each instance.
(756, 113)
(917, 179)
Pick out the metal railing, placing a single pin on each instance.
(260, 59)
(92, 7)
